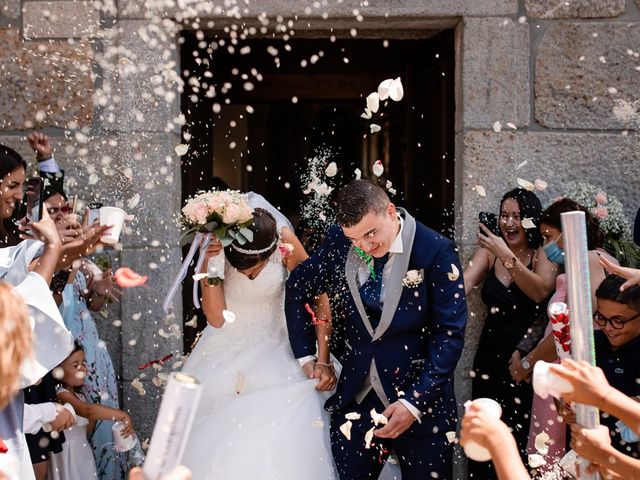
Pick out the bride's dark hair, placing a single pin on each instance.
(264, 243)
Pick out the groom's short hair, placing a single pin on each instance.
(358, 198)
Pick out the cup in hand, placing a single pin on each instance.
(123, 444)
(472, 449)
(546, 383)
(114, 217)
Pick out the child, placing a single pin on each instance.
(76, 461)
(617, 346)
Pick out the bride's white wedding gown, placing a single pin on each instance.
(259, 416)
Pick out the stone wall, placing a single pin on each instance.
(560, 77)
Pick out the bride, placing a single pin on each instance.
(260, 416)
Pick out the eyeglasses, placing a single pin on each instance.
(616, 322)
(54, 210)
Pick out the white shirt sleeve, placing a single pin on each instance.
(49, 166)
(414, 411)
(35, 415)
(304, 360)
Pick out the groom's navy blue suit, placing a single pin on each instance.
(415, 343)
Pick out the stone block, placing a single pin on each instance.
(9, 11)
(345, 9)
(140, 90)
(495, 72)
(574, 8)
(147, 332)
(60, 19)
(44, 84)
(609, 161)
(142, 408)
(586, 76)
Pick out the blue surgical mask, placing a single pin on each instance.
(626, 433)
(553, 252)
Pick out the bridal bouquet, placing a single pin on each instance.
(226, 214)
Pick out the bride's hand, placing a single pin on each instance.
(214, 248)
(326, 376)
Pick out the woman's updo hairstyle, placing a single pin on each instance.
(265, 241)
(552, 217)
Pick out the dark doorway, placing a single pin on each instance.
(256, 113)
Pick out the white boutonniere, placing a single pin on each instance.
(412, 279)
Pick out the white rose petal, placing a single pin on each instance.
(522, 164)
(352, 416)
(512, 126)
(199, 276)
(228, 316)
(451, 436)
(375, 128)
(383, 89)
(454, 274)
(378, 168)
(526, 184)
(181, 149)
(528, 223)
(133, 201)
(497, 127)
(540, 184)
(536, 461)
(366, 115)
(368, 437)
(541, 443)
(480, 190)
(93, 179)
(373, 102)
(358, 173)
(378, 418)
(345, 428)
(396, 91)
(331, 170)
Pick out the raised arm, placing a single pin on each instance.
(93, 411)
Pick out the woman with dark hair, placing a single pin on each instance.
(543, 414)
(518, 278)
(13, 173)
(257, 405)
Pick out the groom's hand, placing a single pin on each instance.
(400, 419)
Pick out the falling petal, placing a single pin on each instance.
(528, 223)
(542, 443)
(454, 274)
(181, 149)
(480, 190)
(368, 437)
(383, 89)
(366, 115)
(396, 91)
(228, 316)
(373, 102)
(526, 184)
(331, 170)
(451, 436)
(193, 323)
(352, 416)
(378, 418)
(199, 276)
(358, 173)
(497, 127)
(374, 127)
(127, 278)
(345, 428)
(378, 168)
(512, 126)
(536, 461)
(133, 201)
(540, 184)
(521, 164)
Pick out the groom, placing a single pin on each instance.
(404, 334)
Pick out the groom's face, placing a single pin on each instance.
(375, 232)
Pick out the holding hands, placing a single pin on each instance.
(324, 372)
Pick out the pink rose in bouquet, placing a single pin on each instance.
(601, 212)
(231, 213)
(601, 198)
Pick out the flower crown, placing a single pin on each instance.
(247, 251)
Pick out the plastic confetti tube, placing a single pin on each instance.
(574, 232)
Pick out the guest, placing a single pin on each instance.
(544, 417)
(518, 279)
(12, 179)
(76, 461)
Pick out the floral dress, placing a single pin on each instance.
(100, 384)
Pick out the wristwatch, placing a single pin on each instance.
(525, 364)
(510, 263)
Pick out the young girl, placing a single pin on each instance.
(76, 461)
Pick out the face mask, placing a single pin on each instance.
(626, 433)
(553, 252)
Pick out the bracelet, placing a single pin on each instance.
(330, 365)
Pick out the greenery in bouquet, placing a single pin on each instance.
(610, 215)
(224, 213)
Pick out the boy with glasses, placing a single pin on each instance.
(617, 347)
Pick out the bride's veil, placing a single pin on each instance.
(258, 201)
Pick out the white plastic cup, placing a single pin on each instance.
(123, 444)
(472, 449)
(546, 383)
(114, 217)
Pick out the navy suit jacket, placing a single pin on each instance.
(419, 339)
